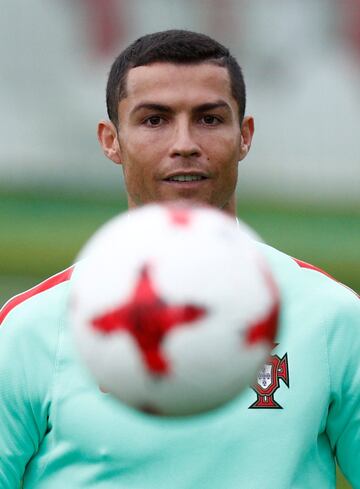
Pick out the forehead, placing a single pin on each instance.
(169, 82)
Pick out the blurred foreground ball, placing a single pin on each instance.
(174, 309)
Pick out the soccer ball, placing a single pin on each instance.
(174, 308)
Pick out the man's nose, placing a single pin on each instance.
(184, 142)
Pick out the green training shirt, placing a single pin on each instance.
(57, 429)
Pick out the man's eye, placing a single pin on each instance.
(154, 120)
(211, 120)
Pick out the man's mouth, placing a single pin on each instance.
(185, 178)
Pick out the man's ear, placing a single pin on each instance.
(108, 139)
(247, 132)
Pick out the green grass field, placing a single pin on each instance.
(41, 235)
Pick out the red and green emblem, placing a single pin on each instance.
(268, 381)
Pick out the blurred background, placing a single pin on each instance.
(300, 186)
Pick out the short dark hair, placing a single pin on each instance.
(173, 46)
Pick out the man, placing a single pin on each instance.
(176, 102)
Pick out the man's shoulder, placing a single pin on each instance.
(46, 298)
(299, 278)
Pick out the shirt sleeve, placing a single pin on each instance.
(344, 364)
(26, 375)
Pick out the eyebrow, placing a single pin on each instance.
(151, 106)
(211, 106)
(166, 108)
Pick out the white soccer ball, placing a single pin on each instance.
(174, 308)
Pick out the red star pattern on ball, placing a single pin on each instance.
(266, 328)
(180, 216)
(148, 318)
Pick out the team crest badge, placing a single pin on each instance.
(268, 382)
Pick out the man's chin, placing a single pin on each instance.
(188, 200)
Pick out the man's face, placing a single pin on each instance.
(179, 135)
